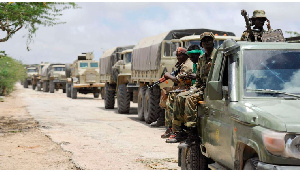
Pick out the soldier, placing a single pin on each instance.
(194, 52)
(189, 115)
(258, 19)
(183, 83)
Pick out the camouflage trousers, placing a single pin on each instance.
(169, 115)
(190, 111)
(179, 106)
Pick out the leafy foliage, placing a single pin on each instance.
(29, 15)
(292, 33)
(11, 71)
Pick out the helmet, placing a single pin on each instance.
(259, 13)
(181, 50)
(205, 34)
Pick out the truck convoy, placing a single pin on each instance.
(83, 76)
(250, 116)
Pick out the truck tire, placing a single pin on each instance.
(96, 95)
(51, 86)
(45, 86)
(141, 97)
(73, 92)
(102, 92)
(123, 98)
(64, 90)
(109, 100)
(251, 164)
(152, 109)
(68, 70)
(68, 89)
(25, 84)
(39, 87)
(194, 159)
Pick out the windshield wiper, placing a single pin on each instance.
(269, 91)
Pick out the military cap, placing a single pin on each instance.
(259, 13)
(204, 34)
(181, 50)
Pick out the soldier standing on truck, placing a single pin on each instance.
(258, 19)
(196, 94)
(193, 52)
(183, 84)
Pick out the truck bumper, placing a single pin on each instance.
(264, 166)
(88, 85)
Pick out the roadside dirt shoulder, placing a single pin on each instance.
(22, 145)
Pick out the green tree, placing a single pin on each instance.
(29, 15)
(11, 71)
(292, 33)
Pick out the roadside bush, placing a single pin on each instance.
(11, 71)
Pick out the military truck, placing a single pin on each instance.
(151, 58)
(83, 76)
(110, 64)
(249, 118)
(57, 77)
(36, 80)
(31, 72)
(44, 79)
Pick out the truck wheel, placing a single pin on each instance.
(51, 85)
(141, 97)
(39, 87)
(109, 96)
(194, 159)
(96, 95)
(251, 164)
(64, 90)
(73, 92)
(152, 109)
(102, 92)
(123, 98)
(45, 86)
(68, 88)
(25, 84)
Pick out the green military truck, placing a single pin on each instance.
(110, 65)
(31, 73)
(83, 76)
(151, 58)
(57, 77)
(250, 116)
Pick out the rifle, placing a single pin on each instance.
(163, 79)
(248, 26)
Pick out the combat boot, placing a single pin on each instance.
(157, 123)
(167, 133)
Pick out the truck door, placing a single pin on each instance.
(219, 127)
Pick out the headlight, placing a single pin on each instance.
(274, 142)
(283, 144)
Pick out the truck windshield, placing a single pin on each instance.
(271, 70)
(94, 64)
(31, 70)
(84, 64)
(59, 68)
(127, 58)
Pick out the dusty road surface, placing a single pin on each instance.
(84, 135)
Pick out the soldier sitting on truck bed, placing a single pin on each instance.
(183, 84)
(193, 52)
(189, 115)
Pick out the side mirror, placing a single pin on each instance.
(215, 90)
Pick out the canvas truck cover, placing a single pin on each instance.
(146, 54)
(110, 57)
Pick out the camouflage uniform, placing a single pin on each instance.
(190, 106)
(186, 68)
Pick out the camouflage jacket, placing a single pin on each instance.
(257, 36)
(186, 68)
(203, 67)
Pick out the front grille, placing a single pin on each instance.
(90, 77)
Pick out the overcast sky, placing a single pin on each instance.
(99, 26)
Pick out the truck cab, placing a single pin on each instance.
(250, 116)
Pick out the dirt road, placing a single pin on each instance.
(80, 134)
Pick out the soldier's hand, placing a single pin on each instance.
(167, 75)
(192, 76)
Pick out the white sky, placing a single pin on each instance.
(99, 26)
